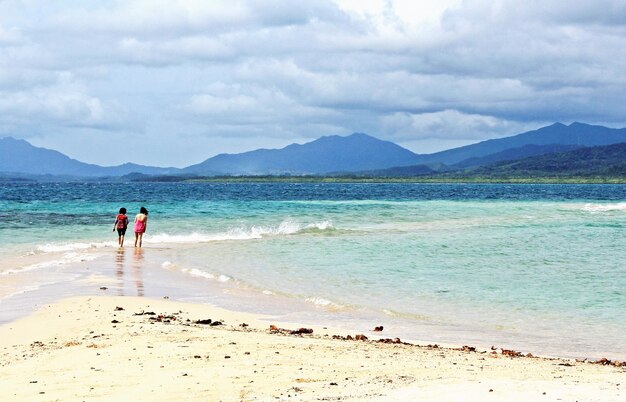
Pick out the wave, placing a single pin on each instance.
(321, 302)
(286, 227)
(198, 273)
(32, 287)
(207, 275)
(412, 316)
(317, 301)
(621, 206)
(68, 258)
(254, 232)
(65, 247)
(29, 288)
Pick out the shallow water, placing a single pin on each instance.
(535, 267)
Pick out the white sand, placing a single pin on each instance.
(72, 351)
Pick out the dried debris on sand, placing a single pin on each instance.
(65, 347)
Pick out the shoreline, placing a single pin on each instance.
(97, 347)
(538, 180)
(156, 280)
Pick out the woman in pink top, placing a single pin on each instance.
(141, 221)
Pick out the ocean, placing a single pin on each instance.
(535, 268)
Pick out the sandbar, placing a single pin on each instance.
(105, 348)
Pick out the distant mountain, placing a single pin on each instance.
(332, 155)
(19, 156)
(129, 168)
(514, 154)
(400, 171)
(355, 152)
(607, 160)
(557, 134)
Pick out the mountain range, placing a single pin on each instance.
(600, 161)
(20, 157)
(330, 155)
(326, 154)
(578, 134)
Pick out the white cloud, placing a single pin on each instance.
(9, 37)
(281, 70)
(63, 103)
(174, 18)
(170, 52)
(159, 18)
(441, 130)
(445, 124)
(253, 109)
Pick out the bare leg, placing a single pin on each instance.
(136, 238)
(140, 238)
(122, 241)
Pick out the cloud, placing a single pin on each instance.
(9, 37)
(446, 124)
(248, 110)
(172, 52)
(63, 103)
(174, 18)
(277, 71)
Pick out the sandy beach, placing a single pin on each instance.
(130, 348)
(322, 200)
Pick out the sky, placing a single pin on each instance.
(171, 83)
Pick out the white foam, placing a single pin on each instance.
(287, 227)
(64, 247)
(68, 258)
(620, 206)
(187, 238)
(267, 292)
(21, 291)
(324, 225)
(325, 303)
(166, 264)
(318, 301)
(34, 287)
(203, 274)
(198, 273)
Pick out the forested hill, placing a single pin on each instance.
(608, 160)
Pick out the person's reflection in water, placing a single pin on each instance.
(137, 264)
(119, 270)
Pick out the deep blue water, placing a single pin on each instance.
(155, 192)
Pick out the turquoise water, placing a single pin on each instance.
(538, 268)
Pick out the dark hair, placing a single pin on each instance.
(123, 211)
(144, 211)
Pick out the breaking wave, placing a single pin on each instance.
(67, 258)
(250, 233)
(66, 247)
(198, 273)
(286, 227)
(621, 206)
(207, 275)
(321, 302)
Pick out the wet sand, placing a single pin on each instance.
(113, 348)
